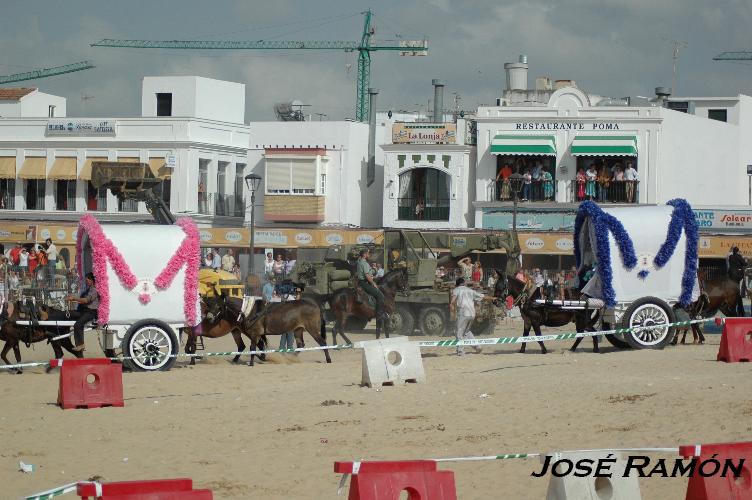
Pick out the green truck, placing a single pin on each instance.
(425, 307)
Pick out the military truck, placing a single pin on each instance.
(425, 307)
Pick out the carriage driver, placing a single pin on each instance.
(365, 281)
(87, 310)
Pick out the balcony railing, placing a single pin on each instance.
(221, 205)
(412, 209)
(612, 192)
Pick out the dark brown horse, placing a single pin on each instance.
(537, 315)
(349, 302)
(220, 315)
(14, 334)
(719, 294)
(293, 316)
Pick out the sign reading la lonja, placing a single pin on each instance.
(424, 133)
(80, 128)
(566, 126)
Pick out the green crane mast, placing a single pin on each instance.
(46, 72)
(739, 55)
(364, 49)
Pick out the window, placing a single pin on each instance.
(681, 106)
(323, 185)
(51, 111)
(445, 159)
(431, 158)
(7, 194)
(416, 158)
(401, 160)
(34, 190)
(203, 180)
(96, 199)
(164, 104)
(65, 195)
(290, 176)
(718, 114)
(423, 195)
(221, 172)
(129, 205)
(239, 183)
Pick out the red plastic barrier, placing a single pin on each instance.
(104, 386)
(160, 489)
(385, 480)
(736, 340)
(717, 487)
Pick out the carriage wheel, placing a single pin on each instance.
(648, 311)
(150, 345)
(616, 339)
(433, 322)
(401, 321)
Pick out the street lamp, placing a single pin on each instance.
(513, 253)
(515, 183)
(253, 181)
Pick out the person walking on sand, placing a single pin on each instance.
(462, 307)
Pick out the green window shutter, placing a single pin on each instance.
(445, 159)
(416, 158)
(401, 160)
(431, 158)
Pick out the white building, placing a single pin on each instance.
(191, 133)
(315, 173)
(26, 102)
(676, 154)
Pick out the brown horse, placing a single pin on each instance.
(220, 315)
(14, 334)
(349, 302)
(537, 315)
(293, 316)
(718, 295)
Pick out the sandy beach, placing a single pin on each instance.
(274, 430)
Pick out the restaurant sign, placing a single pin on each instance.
(424, 133)
(739, 220)
(80, 128)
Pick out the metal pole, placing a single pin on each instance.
(749, 177)
(252, 265)
(371, 169)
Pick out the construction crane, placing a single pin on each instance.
(739, 55)
(364, 49)
(45, 72)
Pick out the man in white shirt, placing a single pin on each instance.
(462, 306)
(217, 261)
(228, 261)
(269, 264)
(631, 176)
(51, 260)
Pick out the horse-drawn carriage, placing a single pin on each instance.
(641, 263)
(147, 281)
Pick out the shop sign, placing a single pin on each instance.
(566, 126)
(364, 239)
(565, 244)
(80, 128)
(303, 238)
(495, 218)
(205, 235)
(334, 239)
(18, 233)
(270, 237)
(534, 243)
(44, 234)
(233, 236)
(724, 219)
(60, 234)
(424, 133)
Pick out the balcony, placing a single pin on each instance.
(613, 192)
(294, 208)
(409, 209)
(221, 205)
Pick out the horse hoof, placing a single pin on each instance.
(19, 372)
(236, 359)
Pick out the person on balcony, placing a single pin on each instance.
(419, 209)
(527, 180)
(618, 184)
(591, 176)
(502, 182)
(581, 180)
(535, 175)
(604, 182)
(548, 185)
(631, 178)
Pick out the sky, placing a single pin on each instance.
(613, 48)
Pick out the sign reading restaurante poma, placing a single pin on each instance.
(567, 126)
(80, 127)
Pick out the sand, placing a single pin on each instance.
(275, 430)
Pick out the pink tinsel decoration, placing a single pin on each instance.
(103, 249)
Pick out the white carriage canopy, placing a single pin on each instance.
(638, 252)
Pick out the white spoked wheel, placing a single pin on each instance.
(150, 345)
(653, 313)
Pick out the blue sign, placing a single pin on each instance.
(496, 218)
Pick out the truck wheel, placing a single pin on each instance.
(648, 311)
(401, 321)
(150, 345)
(433, 322)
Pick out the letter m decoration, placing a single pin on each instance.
(164, 252)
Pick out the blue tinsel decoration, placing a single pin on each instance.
(643, 274)
(682, 217)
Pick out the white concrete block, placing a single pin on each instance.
(392, 360)
(590, 487)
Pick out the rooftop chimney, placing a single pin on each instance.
(517, 74)
(661, 95)
(438, 100)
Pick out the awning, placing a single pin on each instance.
(604, 145)
(158, 168)
(85, 174)
(33, 168)
(63, 169)
(510, 144)
(7, 167)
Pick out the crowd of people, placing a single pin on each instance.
(214, 260)
(31, 266)
(537, 183)
(603, 183)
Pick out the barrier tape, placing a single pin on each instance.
(424, 343)
(54, 492)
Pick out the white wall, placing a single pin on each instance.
(194, 96)
(34, 105)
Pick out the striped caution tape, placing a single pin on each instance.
(560, 336)
(54, 492)
(424, 343)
